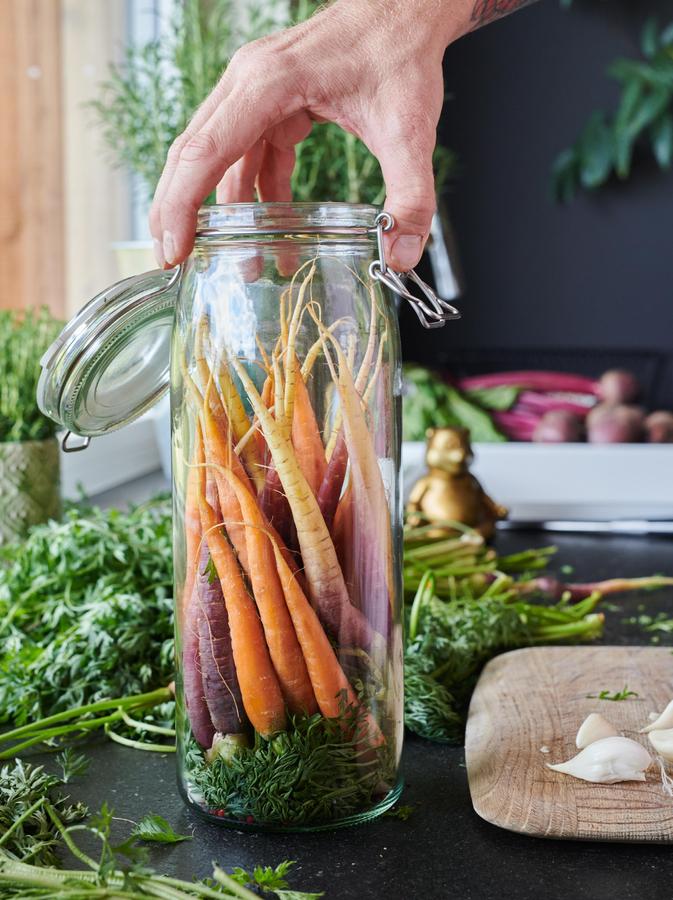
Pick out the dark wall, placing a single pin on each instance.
(578, 286)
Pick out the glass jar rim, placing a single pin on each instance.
(285, 218)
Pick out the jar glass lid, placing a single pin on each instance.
(111, 363)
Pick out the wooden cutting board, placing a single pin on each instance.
(537, 697)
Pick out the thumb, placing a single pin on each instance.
(410, 197)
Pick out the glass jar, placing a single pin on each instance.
(285, 384)
(285, 395)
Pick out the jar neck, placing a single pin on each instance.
(240, 219)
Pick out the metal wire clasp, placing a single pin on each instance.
(432, 311)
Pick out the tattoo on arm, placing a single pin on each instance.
(486, 11)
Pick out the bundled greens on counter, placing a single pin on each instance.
(39, 824)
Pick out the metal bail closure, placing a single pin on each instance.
(432, 311)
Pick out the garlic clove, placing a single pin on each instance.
(661, 722)
(607, 761)
(662, 741)
(593, 728)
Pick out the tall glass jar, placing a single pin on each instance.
(285, 394)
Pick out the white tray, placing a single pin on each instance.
(576, 481)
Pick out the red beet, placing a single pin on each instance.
(659, 427)
(618, 386)
(559, 426)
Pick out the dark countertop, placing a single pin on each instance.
(444, 849)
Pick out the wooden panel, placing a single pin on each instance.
(31, 182)
(97, 203)
(536, 698)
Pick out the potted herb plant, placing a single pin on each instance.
(29, 456)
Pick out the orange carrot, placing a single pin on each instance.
(332, 688)
(306, 438)
(192, 526)
(220, 454)
(282, 641)
(260, 690)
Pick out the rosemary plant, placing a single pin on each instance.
(147, 101)
(23, 339)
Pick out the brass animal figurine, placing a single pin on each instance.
(449, 491)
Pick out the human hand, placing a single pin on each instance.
(372, 66)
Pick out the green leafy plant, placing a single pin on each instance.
(24, 337)
(148, 100)
(607, 143)
(86, 610)
(157, 830)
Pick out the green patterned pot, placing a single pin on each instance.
(29, 486)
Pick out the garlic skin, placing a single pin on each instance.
(594, 728)
(661, 722)
(608, 761)
(662, 741)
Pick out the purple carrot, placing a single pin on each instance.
(275, 506)
(533, 381)
(195, 701)
(534, 402)
(218, 673)
(333, 480)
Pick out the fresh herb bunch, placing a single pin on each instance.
(310, 773)
(429, 402)
(86, 610)
(448, 641)
(148, 100)
(36, 823)
(27, 832)
(607, 143)
(23, 339)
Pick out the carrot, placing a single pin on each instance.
(220, 686)
(260, 691)
(230, 402)
(342, 534)
(372, 535)
(220, 453)
(192, 684)
(306, 438)
(324, 578)
(281, 639)
(291, 367)
(192, 527)
(333, 691)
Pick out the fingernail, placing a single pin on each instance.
(406, 251)
(169, 248)
(159, 253)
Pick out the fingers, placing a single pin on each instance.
(238, 184)
(405, 155)
(237, 121)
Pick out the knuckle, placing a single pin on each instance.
(200, 147)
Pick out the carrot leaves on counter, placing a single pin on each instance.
(615, 696)
(86, 610)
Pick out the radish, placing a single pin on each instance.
(615, 424)
(618, 386)
(659, 427)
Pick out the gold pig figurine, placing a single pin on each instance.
(449, 492)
